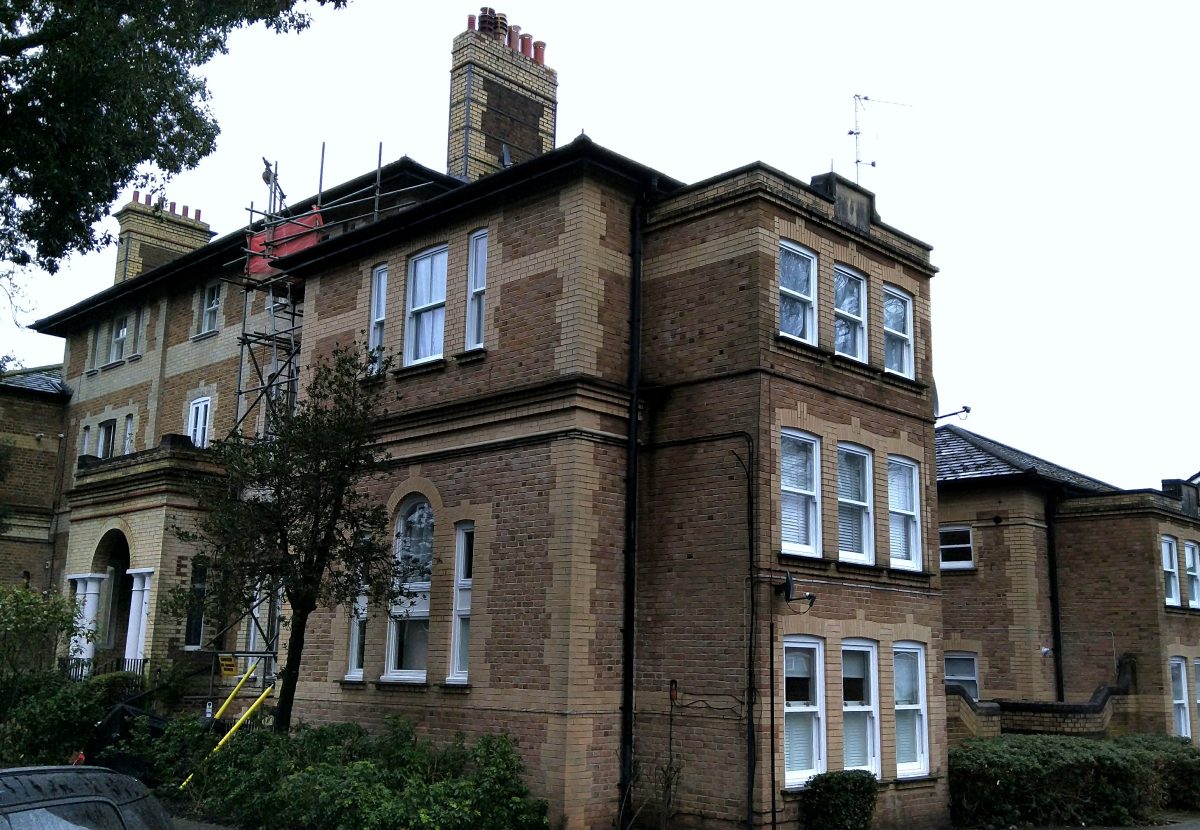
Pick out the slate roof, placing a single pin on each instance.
(962, 455)
(46, 380)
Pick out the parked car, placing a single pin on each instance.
(70, 798)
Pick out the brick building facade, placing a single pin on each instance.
(1057, 585)
(668, 448)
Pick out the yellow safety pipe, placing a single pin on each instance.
(235, 728)
(236, 689)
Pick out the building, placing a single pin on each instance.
(33, 404)
(667, 448)
(1060, 588)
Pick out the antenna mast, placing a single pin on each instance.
(860, 105)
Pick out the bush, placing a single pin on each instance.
(839, 801)
(1050, 779)
(56, 717)
(339, 777)
(1177, 763)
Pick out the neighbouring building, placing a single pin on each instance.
(1059, 589)
(667, 449)
(33, 406)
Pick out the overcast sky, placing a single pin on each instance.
(1046, 151)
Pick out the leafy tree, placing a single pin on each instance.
(291, 510)
(32, 627)
(91, 91)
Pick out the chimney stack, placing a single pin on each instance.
(153, 236)
(503, 98)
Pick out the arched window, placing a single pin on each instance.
(408, 628)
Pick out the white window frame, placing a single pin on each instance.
(920, 766)
(358, 638)
(912, 516)
(379, 278)
(128, 443)
(476, 289)
(1181, 718)
(1170, 561)
(137, 332)
(867, 555)
(1196, 677)
(414, 351)
(415, 609)
(106, 438)
(210, 307)
(1191, 559)
(87, 441)
(200, 623)
(118, 332)
(464, 568)
(856, 322)
(809, 301)
(810, 499)
(905, 338)
(953, 565)
(199, 421)
(963, 679)
(800, 777)
(870, 708)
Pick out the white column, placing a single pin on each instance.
(87, 594)
(139, 611)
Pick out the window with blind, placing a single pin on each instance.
(379, 278)
(1179, 698)
(799, 517)
(1191, 558)
(1170, 563)
(426, 322)
(903, 526)
(854, 505)
(803, 710)
(860, 706)
(908, 675)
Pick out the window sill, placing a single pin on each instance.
(352, 683)
(922, 781)
(902, 381)
(802, 348)
(112, 365)
(460, 687)
(855, 365)
(204, 335)
(133, 358)
(883, 573)
(426, 368)
(949, 569)
(385, 684)
(470, 356)
(91, 373)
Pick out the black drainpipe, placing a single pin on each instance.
(1055, 612)
(626, 813)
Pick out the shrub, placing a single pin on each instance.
(1177, 763)
(1050, 779)
(839, 801)
(56, 717)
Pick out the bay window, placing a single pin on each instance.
(897, 331)
(1182, 723)
(849, 310)
(426, 321)
(1170, 564)
(912, 731)
(860, 706)
(408, 626)
(797, 292)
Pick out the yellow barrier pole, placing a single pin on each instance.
(235, 728)
(236, 689)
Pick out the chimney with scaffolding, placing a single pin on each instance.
(503, 97)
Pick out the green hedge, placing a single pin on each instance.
(339, 777)
(1052, 779)
(839, 801)
(54, 717)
